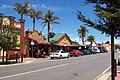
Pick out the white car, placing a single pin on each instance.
(59, 54)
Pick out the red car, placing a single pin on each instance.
(76, 53)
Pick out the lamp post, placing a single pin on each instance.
(65, 46)
(16, 56)
(32, 44)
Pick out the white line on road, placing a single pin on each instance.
(33, 71)
(106, 70)
(97, 78)
(94, 57)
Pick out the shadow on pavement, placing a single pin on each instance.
(10, 62)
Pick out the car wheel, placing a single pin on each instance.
(52, 58)
(76, 55)
(60, 57)
(68, 56)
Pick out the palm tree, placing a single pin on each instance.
(91, 39)
(21, 8)
(34, 14)
(82, 32)
(49, 19)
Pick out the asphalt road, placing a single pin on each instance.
(79, 68)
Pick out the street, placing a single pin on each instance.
(75, 68)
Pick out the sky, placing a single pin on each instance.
(65, 10)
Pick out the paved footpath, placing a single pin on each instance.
(107, 75)
(26, 61)
(117, 78)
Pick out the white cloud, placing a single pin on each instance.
(4, 6)
(47, 7)
(75, 39)
(43, 5)
(117, 41)
(55, 8)
(34, 6)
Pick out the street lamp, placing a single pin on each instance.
(32, 44)
(65, 46)
(16, 56)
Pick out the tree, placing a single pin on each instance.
(8, 37)
(82, 31)
(117, 46)
(91, 39)
(49, 19)
(108, 13)
(34, 14)
(21, 8)
(107, 42)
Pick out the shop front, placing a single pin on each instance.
(38, 47)
(60, 41)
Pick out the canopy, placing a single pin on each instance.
(40, 41)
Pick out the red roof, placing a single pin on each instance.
(40, 41)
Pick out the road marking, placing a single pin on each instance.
(33, 71)
(94, 57)
(106, 70)
(102, 73)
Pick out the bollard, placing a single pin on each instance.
(22, 58)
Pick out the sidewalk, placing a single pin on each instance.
(107, 75)
(117, 78)
(118, 74)
(25, 61)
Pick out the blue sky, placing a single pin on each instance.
(64, 9)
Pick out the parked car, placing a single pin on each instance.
(76, 53)
(86, 52)
(96, 50)
(59, 54)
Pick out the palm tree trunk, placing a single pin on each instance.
(83, 40)
(91, 45)
(79, 39)
(21, 16)
(48, 30)
(33, 23)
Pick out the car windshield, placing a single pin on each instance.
(57, 50)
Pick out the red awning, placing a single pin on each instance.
(40, 41)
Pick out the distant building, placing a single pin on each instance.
(60, 41)
(39, 44)
(93, 47)
(107, 47)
